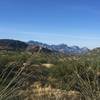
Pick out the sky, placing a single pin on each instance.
(73, 22)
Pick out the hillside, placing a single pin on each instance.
(47, 76)
(95, 51)
(8, 44)
(16, 45)
(42, 72)
(62, 48)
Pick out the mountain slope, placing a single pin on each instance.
(8, 44)
(16, 45)
(62, 48)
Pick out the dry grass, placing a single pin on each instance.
(35, 92)
(90, 90)
(11, 89)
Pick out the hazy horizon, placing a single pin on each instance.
(72, 22)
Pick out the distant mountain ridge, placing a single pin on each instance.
(62, 48)
(16, 45)
(34, 46)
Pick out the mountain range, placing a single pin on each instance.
(61, 48)
(9, 44)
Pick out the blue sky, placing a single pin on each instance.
(73, 22)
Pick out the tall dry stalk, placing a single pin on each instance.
(89, 89)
